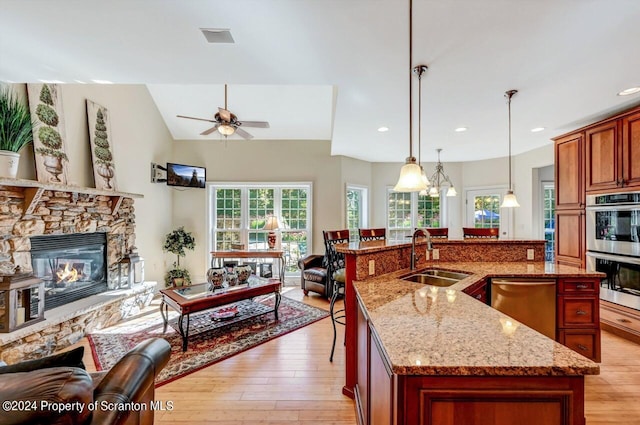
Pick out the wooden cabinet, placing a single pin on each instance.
(362, 372)
(603, 167)
(620, 320)
(478, 291)
(579, 315)
(569, 175)
(570, 238)
(382, 395)
(631, 151)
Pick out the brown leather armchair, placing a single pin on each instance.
(313, 275)
(128, 382)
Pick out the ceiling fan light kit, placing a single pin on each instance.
(410, 179)
(227, 124)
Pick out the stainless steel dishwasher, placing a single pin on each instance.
(531, 302)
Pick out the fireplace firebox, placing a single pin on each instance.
(72, 266)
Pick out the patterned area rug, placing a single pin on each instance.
(222, 339)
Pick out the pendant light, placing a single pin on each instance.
(410, 179)
(509, 200)
(419, 70)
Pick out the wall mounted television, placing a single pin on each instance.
(186, 175)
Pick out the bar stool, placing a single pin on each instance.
(378, 234)
(483, 233)
(337, 276)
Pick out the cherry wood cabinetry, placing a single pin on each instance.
(570, 238)
(631, 150)
(569, 156)
(579, 315)
(478, 291)
(620, 320)
(362, 373)
(603, 168)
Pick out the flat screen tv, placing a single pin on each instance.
(186, 175)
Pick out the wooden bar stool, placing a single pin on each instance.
(486, 233)
(378, 234)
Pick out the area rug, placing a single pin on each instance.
(221, 342)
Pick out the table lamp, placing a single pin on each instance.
(271, 225)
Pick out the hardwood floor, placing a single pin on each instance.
(290, 381)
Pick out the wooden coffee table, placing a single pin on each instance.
(192, 299)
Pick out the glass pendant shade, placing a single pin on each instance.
(410, 177)
(424, 177)
(509, 200)
(452, 191)
(434, 192)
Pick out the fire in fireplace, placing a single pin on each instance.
(72, 266)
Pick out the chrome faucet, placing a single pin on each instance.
(426, 233)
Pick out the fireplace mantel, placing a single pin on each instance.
(33, 190)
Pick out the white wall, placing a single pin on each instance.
(138, 137)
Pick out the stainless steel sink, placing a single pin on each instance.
(436, 277)
(446, 274)
(427, 279)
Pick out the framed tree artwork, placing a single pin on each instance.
(104, 173)
(45, 103)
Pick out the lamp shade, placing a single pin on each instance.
(226, 129)
(452, 191)
(509, 200)
(410, 179)
(272, 223)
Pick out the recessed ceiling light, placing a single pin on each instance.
(383, 129)
(630, 90)
(461, 129)
(537, 129)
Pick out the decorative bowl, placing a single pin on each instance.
(215, 276)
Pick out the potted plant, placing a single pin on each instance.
(176, 242)
(16, 128)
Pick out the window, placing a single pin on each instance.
(549, 214)
(483, 210)
(407, 211)
(357, 208)
(239, 212)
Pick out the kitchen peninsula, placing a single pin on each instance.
(419, 354)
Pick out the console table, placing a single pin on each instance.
(264, 253)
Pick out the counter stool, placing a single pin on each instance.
(337, 316)
(336, 276)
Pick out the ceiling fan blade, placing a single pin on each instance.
(256, 124)
(194, 118)
(224, 114)
(209, 131)
(240, 132)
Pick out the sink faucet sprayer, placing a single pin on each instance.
(426, 233)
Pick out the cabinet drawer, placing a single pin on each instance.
(621, 318)
(578, 286)
(585, 342)
(577, 312)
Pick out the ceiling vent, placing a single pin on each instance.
(217, 35)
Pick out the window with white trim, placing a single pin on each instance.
(409, 210)
(357, 207)
(239, 212)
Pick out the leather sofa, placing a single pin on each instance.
(92, 399)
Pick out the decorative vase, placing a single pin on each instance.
(244, 272)
(215, 277)
(53, 165)
(106, 173)
(178, 281)
(9, 164)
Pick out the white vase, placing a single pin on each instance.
(9, 164)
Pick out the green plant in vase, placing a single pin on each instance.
(176, 242)
(16, 126)
(49, 136)
(104, 157)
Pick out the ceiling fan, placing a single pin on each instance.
(227, 123)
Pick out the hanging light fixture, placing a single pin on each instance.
(419, 70)
(410, 179)
(509, 200)
(439, 180)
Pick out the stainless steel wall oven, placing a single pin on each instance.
(613, 239)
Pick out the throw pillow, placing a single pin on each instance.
(71, 358)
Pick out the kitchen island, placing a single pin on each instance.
(419, 354)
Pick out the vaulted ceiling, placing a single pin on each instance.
(339, 69)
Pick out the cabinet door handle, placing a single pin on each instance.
(582, 286)
(582, 347)
(624, 320)
(478, 297)
(581, 313)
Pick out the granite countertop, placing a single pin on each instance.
(427, 330)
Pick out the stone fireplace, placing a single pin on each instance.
(73, 238)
